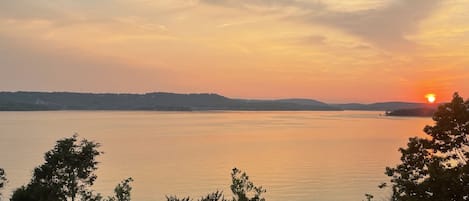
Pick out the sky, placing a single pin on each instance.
(330, 50)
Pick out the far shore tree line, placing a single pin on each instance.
(434, 168)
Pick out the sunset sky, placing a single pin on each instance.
(330, 50)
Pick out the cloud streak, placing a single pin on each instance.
(210, 45)
(385, 27)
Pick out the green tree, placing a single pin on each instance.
(175, 198)
(435, 168)
(35, 192)
(67, 172)
(243, 190)
(369, 197)
(122, 191)
(3, 180)
(215, 196)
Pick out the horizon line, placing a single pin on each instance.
(212, 93)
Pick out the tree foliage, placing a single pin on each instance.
(122, 191)
(67, 172)
(243, 190)
(435, 168)
(215, 196)
(3, 180)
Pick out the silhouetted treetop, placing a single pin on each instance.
(3, 180)
(435, 168)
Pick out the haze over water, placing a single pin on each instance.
(296, 156)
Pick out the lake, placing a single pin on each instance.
(296, 156)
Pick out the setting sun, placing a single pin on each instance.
(430, 98)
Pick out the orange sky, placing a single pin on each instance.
(330, 50)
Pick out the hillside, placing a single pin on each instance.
(31, 101)
(383, 106)
(414, 112)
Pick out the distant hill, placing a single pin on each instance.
(293, 103)
(31, 101)
(415, 112)
(383, 106)
(394, 108)
(306, 102)
(38, 101)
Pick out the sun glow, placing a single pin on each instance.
(430, 98)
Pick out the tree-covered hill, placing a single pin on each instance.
(31, 101)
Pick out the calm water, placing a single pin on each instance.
(296, 156)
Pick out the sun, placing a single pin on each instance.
(430, 98)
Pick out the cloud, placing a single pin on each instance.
(36, 66)
(23, 9)
(267, 5)
(314, 40)
(385, 27)
(62, 12)
(57, 13)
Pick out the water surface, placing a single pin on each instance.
(296, 156)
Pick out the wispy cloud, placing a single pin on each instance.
(385, 27)
(300, 43)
